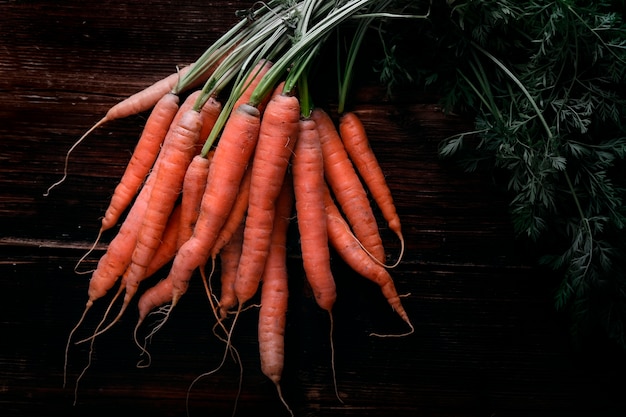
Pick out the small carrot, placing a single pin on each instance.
(229, 260)
(274, 294)
(353, 254)
(158, 295)
(146, 98)
(143, 158)
(347, 187)
(357, 145)
(166, 114)
(277, 137)
(309, 185)
(194, 184)
(232, 155)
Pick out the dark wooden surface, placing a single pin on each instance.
(487, 341)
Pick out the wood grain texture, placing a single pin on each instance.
(487, 340)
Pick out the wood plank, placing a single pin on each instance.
(487, 340)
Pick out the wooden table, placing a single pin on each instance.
(487, 340)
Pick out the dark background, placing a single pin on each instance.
(487, 340)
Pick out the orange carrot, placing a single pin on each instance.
(347, 186)
(146, 98)
(232, 155)
(194, 184)
(353, 254)
(177, 155)
(155, 296)
(309, 185)
(229, 260)
(143, 158)
(274, 294)
(118, 256)
(357, 145)
(277, 137)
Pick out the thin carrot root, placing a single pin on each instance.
(99, 331)
(163, 311)
(91, 346)
(332, 355)
(228, 348)
(69, 341)
(67, 155)
(411, 331)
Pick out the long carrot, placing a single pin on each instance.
(178, 154)
(357, 145)
(143, 158)
(309, 185)
(194, 184)
(274, 294)
(232, 155)
(353, 254)
(277, 137)
(119, 252)
(347, 186)
(309, 188)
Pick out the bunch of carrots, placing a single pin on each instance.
(220, 171)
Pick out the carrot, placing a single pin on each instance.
(347, 186)
(118, 256)
(355, 140)
(229, 260)
(274, 294)
(232, 155)
(353, 254)
(155, 296)
(177, 155)
(146, 98)
(194, 184)
(308, 182)
(277, 136)
(143, 158)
